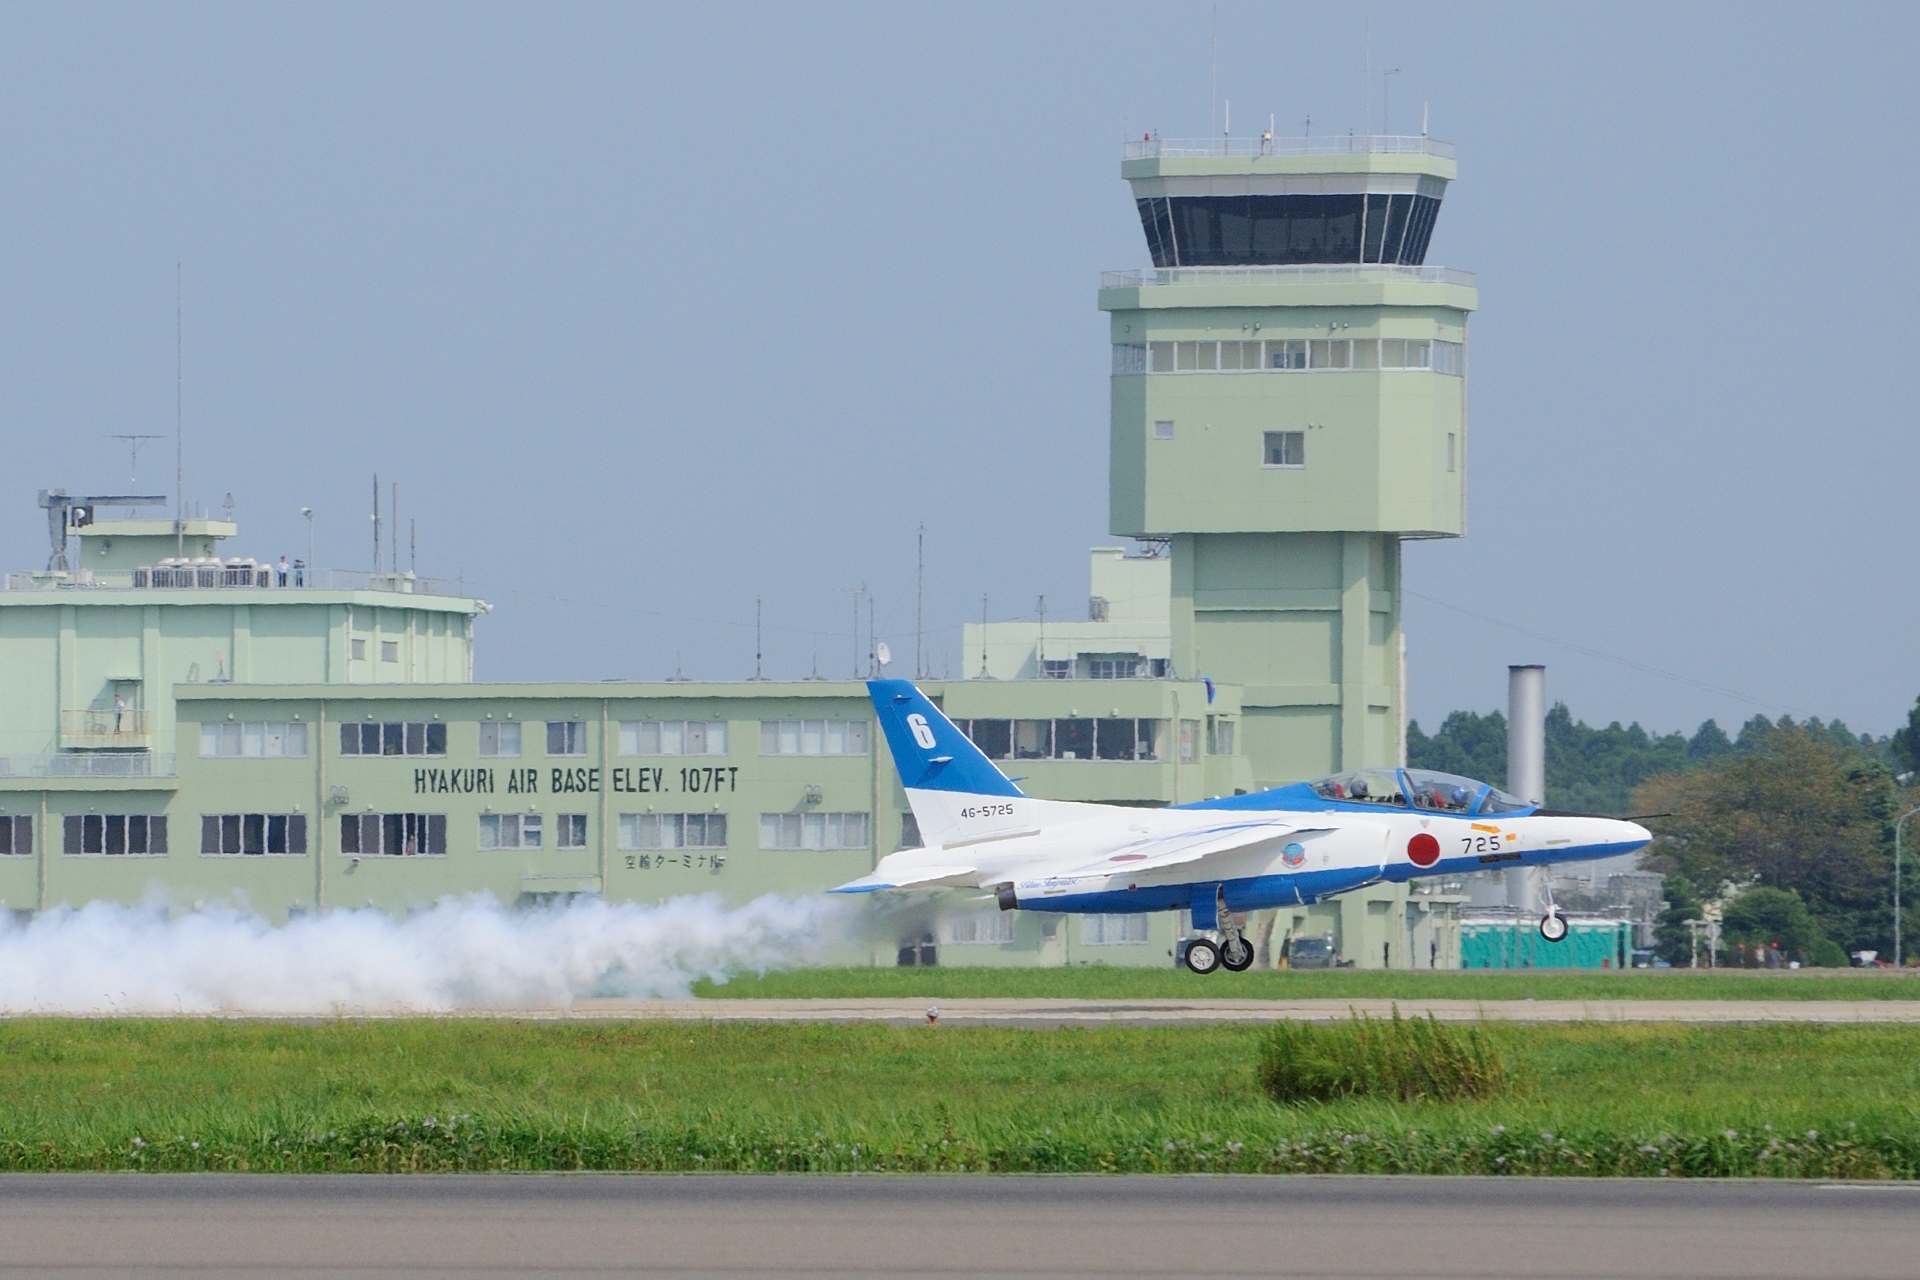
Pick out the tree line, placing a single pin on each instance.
(1788, 824)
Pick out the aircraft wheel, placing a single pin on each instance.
(1202, 956)
(1237, 955)
(1553, 927)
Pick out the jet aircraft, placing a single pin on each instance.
(1216, 859)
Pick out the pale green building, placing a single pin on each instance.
(183, 726)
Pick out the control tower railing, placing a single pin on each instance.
(1330, 145)
(1313, 273)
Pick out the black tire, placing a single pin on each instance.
(1236, 959)
(1554, 927)
(1203, 957)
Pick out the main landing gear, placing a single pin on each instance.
(1233, 952)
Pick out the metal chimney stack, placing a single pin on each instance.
(1526, 765)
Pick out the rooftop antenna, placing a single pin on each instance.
(1366, 74)
(1226, 122)
(1041, 653)
(396, 527)
(983, 637)
(873, 650)
(1425, 107)
(376, 522)
(919, 604)
(133, 466)
(757, 674)
(413, 546)
(1386, 94)
(179, 416)
(1213, 81)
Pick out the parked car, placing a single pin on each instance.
(1312, 953)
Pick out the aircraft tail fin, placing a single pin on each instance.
(928, 749)
(959, 797)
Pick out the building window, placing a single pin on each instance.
(16, 836)
(566, 737)
(570, 831)
(393, 835)
(813, 738)
(1297, 354)
(500, 738)
(1450, 443)
(1189, 741)
(112, 834)
(1129, 357)
(910, 832)
(673, 831)
(269, 739)
(673, 737)
(982, 928)
(813, 831)
(1116, 666)
(1219, 736)
(1056, 668)
(357, 649)
(1109, 930)
(1286, 448)
(389, 651)
(1163, 429)
(394, 738)
(511, 831)
(253, 833)
(1118, 739)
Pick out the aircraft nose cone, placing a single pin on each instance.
(1632, 833)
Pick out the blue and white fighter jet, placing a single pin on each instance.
(1217, 859)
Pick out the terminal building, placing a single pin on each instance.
(1288, 394)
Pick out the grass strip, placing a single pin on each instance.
(452, 1095)
(1103, 982)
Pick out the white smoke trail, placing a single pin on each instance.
(461, 953)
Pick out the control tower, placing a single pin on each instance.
(1289, 405)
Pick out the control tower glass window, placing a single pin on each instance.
(1293, 230)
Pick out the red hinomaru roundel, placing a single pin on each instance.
(1423, 850)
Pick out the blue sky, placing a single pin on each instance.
(653, 311)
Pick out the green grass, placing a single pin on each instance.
(481, 1095)
(1099, 982)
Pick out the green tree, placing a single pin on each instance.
(1791, 809)
(1672, 939)
(1905, 747)
(1760, 919)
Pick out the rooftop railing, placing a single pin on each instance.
(245, 576)
(1317, 273)
(90, 764)
(1329, 145)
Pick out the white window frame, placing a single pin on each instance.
(254, 739)
(499, 730)
(673, 831)
(673, 738)
(569, 830)
(1267, 448)
(815, 737)
(1129, 929)
(526, 831)
(812, 832)
(573, 737)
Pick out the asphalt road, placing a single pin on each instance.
(718, 1226)
(1142, 1013)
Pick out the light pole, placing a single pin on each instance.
(1898, 823)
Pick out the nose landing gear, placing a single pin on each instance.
(1553, 925)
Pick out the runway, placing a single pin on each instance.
(1040, 1013)
(719, 1226)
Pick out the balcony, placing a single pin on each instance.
(1330, 145)
(104, 729)
(1317, 273)
(83, 764)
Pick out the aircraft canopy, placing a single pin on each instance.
(1418, 789)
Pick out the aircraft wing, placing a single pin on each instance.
(924, 877)
(1155, 852)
